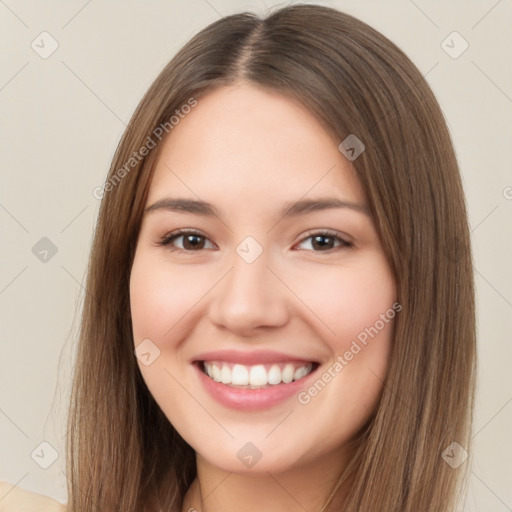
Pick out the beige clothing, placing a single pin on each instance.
(16, 499)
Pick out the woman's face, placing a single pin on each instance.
(257, 262)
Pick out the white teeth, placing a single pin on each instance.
(300, 372)
(257, 375)
(225, 375)
(274, 374)
(288, 373)
(239, 375)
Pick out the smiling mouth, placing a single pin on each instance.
(259, 376)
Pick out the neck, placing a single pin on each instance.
(298, 489)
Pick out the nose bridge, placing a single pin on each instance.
(250, 296)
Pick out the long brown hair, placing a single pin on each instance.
(123, 454)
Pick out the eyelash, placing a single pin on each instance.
(168, 239)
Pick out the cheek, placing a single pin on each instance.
(357, 316)
(160, 303)
(162, 298)
(349, 299)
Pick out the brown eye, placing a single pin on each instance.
(191, 241)
(326, 241)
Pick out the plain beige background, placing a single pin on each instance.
(62, 117)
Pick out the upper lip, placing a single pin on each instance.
(249, 358)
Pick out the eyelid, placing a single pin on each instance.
(345, 241)
(328, 232)
(166, 239)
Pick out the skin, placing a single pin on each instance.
(248, 151)
(14, 498)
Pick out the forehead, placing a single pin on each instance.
(244, 141)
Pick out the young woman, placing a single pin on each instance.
(280, 309)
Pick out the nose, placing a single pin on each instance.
(250, 297)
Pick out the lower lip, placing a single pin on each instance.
(251, 399)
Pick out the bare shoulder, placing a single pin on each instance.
(15, 499)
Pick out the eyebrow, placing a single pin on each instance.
(292, 209)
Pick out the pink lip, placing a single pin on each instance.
(249, 358)
(251, 399)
